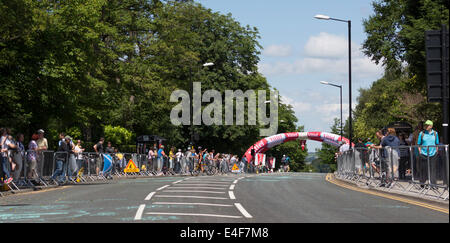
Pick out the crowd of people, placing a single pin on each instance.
(399, 155)
(21, 161)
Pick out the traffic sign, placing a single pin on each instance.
(131, 167)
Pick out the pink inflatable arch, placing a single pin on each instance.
(267, 143)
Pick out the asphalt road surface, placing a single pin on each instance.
(269, 198)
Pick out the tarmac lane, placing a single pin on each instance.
(236, 198)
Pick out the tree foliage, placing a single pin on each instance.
(84, 65)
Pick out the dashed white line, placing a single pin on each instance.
(198, 187)
(196, 214)
(235, 181)
(198, 204)
(231, 194)
(194, 191)
(232, 187)
(243, 211)
(178, 196)
(139, 212)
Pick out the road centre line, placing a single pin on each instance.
(231, 194)
(242, 210)
(196, 214)
(198, 204)
(139, 212)
(202, 197)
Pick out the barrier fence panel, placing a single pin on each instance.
(421, 169)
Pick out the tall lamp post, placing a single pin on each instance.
(208, 64)
(340, 87)
(349, 23)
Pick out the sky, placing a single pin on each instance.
(299, 51)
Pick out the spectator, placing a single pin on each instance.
(171, 159)
(61, 160)
(32, 157)
(98, 148)
(160, 158)
(78, 150)
(182, 163)
(368, 143)
(360, 148)
(18, 156)
(6, 145)
(109, 148)
(42, 146)
(391, 166)
(151, 158)
(403, 165)
(429, 137)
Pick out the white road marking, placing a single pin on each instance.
(235, 181)
(197, 214)
(149, 196)
(200, 185)
(242, 210)
(159, 189)
(199, 204)
(197, 187)
(210, 182)
(194, 191)
(232, 187)
(179, 196)
(176, 182)
(231, 194)
(139, 212)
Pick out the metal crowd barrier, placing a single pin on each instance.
(420, 169)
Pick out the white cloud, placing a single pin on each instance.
(325, 53)
(299, 107)
(278, 50)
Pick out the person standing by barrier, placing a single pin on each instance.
(403, 164)
(5, 145)
(109, 148)
(98, 148)
(390, 163)
(61, 157)
(151, 157)
(42, 146)
(181, 162)
(78, 149)
(18, 156)
(429, 137)
(160, 157)
(32, 158)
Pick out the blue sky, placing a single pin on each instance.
(299, 51)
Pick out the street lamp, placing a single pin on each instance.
(208, 64)
(340, 87)
(349, 23)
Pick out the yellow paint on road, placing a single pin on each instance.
(330, 179)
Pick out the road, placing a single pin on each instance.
(269, 198)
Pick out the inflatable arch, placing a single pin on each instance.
(269, 142)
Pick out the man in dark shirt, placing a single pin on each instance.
(61, 157)
(99, 150)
